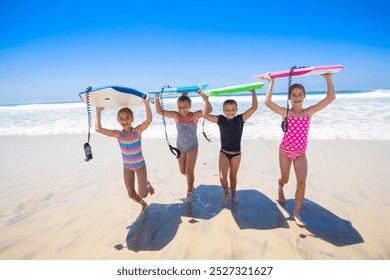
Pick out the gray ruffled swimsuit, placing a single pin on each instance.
(187, 138)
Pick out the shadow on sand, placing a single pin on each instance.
(156, 229)
(325, 225)
(159, 226)
(255, 210)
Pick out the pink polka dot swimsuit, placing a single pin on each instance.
(298, 129)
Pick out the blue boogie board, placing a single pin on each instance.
(113, 97)
(178, 89)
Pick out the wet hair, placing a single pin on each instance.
(126, 110)
(184, 98)
(229, 101)
(293, 86)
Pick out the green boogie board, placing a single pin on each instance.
(234, 89)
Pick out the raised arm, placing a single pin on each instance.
(169, 114)
(253, 108)
(100, 129)
(141, 127)
(268, 99)
(206, 105)
(207, 108)
(330, 96)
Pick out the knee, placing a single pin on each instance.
(233, 178)
(222, 179)
(283, 181)
(132, 195)
(189, 173)
(182, 170)
(143, 194)
(301, 185)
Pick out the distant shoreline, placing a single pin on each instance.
(348, 91)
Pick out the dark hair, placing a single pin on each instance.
(184, 98)
(127, 111)
(293, 86)
(230, 101)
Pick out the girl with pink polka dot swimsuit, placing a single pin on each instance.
(294, 142)
(292, 149)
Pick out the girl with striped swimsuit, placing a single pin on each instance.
(294, 143)
(129, 140)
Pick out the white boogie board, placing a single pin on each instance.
(113, 97)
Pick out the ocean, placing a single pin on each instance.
(355, 114)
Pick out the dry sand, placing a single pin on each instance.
(53, 205)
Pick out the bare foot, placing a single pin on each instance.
(234, 200)
(189, 196)
(282, 199)
(150, 188)
(225, 198)
(144, 207)
(299, 222)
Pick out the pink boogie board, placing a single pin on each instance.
(302, 71)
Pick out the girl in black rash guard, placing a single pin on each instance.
(230, 126)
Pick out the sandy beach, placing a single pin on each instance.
(56, 206)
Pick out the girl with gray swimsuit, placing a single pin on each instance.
(187, 139)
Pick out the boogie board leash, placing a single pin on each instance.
(87, 147)
(284, 124)
(204, 119)
(173, 150)
(204, 133)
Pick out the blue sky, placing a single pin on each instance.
(49, 51)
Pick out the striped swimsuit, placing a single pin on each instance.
(131, 151)
(294, 141)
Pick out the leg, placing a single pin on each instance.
(234, 166)
(142, 179)
(182, 162)
(129, 178)
(223, 173)
(144, 186)
(285, 166)
(300, 167)
(190, 168)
